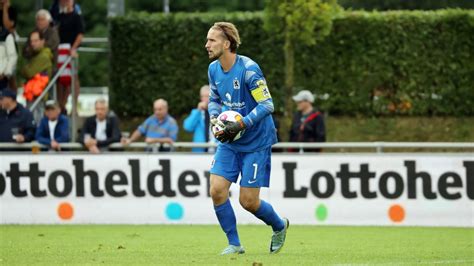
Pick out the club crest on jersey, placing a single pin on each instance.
(236, 84)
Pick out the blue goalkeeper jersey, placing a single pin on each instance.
(243, 89)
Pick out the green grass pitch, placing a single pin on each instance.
(201, 245)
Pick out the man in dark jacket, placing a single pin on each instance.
(308, 123)
(100, 130)
(16, 122)
(54, 127)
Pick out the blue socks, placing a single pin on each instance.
(225, 215)
(266, 213)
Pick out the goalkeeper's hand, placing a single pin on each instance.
(214, 121)
(231, 129)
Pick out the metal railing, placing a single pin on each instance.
(377, 147)
(84, 40)
(51, 83)
(73, 62)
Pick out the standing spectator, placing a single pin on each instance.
(198, 121)
(37, 71)
(8, 58)
(53, 128)
(71, 32)
(44, 24)
(8, 17)
(308, 123)
(55, 9)
(101, 129)
(158, 128)
(16, 122)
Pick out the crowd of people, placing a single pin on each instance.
(57, 34)
(103, 128)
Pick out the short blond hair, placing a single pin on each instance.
(230, 32)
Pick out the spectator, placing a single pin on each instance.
(44, 24)
(8, 17)
(37, 70)
(308, 123)
(71, 32)
(158, 128)
(53, 128)
(8, 58)
(16, 122)
(55, 9)
(198, 121)
(101, 129)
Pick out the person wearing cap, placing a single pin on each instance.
(16, 122)
(308, 123)
(53, 128)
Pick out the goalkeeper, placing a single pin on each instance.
(237, 83)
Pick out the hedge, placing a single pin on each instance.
(372, 63)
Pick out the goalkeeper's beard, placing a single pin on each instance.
(215, 56)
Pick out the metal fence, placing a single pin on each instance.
(378, 147)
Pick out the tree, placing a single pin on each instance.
(305, 22)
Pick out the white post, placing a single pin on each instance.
(166, 6)
(74, 102)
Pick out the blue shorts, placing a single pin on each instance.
(254, 167)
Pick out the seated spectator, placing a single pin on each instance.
(53, 128)
(158, 128)
(308, 123)
(198, 121)
(16, 122)
(44, 24)
(101, 129)
(37, 71)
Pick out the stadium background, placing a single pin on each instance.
(413, 106)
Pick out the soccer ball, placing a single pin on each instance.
(224, 118)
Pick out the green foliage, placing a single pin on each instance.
(164, 56)
(395, 62)
(195, 5)
(416, 63)
(405, 4)
(300, 20)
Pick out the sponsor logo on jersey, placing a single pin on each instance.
(234, 106)
(236, 84)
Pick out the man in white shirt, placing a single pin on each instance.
(53, 128)
(101, 129)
